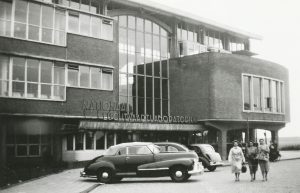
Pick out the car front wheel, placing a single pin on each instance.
(105, 175)
(211, 168)
(179, 174)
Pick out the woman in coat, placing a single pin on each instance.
(251, 155)
(263, 159)
(236, 158)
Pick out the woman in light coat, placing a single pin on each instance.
(236, 159)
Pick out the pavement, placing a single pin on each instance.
(69, 181)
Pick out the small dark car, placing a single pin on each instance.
(139, 159)
(207, 155)
(171, 147)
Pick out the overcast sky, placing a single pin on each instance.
(278, 21)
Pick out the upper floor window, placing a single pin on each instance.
(5, 17)
(263, 94)
(92, 6)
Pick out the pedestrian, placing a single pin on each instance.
(263, 159)
(251, 155)
(236, 159)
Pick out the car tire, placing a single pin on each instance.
(105, 175)
(179, 174)
(212, 168)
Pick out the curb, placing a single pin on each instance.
(91, 188)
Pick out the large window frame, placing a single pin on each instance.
(272, 104)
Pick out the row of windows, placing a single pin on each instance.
(44, 23)
(263, 94)
(23, 144)
(43, 79)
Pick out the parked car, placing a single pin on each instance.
(207, 155)
(140, 159)
(171, 147)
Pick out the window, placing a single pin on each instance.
(5, 17)
(265, 94)
(89, 140)
(25, 81)
(79, 141)
(70, 145)
(90, 77)
(92, 6)
(73, 22)
(107, 30)
(99, 136)
(139, 150)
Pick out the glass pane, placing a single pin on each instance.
(140, 42)
(131, 22)
(60, 38)
(141, 86)
(164, 68)
(131, 85)
(148, 26)
(149, 69)
(148, 47)
(184, 34)
(140, 24)
(156, 49)
(46, 71)
(33, 33)
(20, 30)
(34, 14)
(85, 5)
(141, 107)
(45, 91)
(84, 72)
(4, 67)
(110, 139)
(99, 135)
(73, 71)
(123, 40)
(165, 89)
(95, 6)
(123, 21)
(155, 29)
(164, 47)
(84, 24)
(4, 88)
(267, 95)
(123, 104)
(123, 84)
(59, 92)
(60, 20)
(157, 88)
(21, 150)
(73, 23)
(18, 89)
(157, 68)
(79, 141)
(96, 27)
(34, 150)
(132, 105)
(157, 107)
(257, 94)
(131, 63)
(5, 9)
(246, 92)
(122, 62)
(59, 73)
(107, 31)
(21, 11)
(32, 70)
(32, 90)
(74, 4)
(5, 28)
(190, 36)
(47, 16)
(70, 142)
(140, 63)
(163, 32)
(96, 77)
(106, 80)
(47, 35)
(165, 107)
(89, 140)
(149, 87)
(149, 106)
(131, 41)
(19, 69)
(274, 96)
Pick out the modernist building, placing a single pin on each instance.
(77, 76)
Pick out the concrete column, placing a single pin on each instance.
(252, 135)
(275, 136)
(222, 144)
(2, 152)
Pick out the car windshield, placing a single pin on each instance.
(207, 149)
(111, 151)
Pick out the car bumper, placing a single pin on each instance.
(197, 169)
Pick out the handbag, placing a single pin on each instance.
(244, 168)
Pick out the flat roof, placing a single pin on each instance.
(188, 17)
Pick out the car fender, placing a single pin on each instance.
(101, 164)
(167, 164)
(204, 161)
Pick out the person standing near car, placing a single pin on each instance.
(263, 159)
(251, 155)
(236, 159)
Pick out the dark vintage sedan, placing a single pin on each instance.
(171, 147)
(207, 155)
(139, 159)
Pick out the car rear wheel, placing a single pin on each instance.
(179, 174)
(211, 168)
(105, 175)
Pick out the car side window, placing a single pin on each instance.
(122, 151)
(162, 148)
(172, 149)
(139, 150)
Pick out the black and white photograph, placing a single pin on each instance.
(149, 96)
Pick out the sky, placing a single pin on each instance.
(277, 21)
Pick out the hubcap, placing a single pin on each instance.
(178, 174)
(104, 175)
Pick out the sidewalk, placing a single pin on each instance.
(70, 182)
